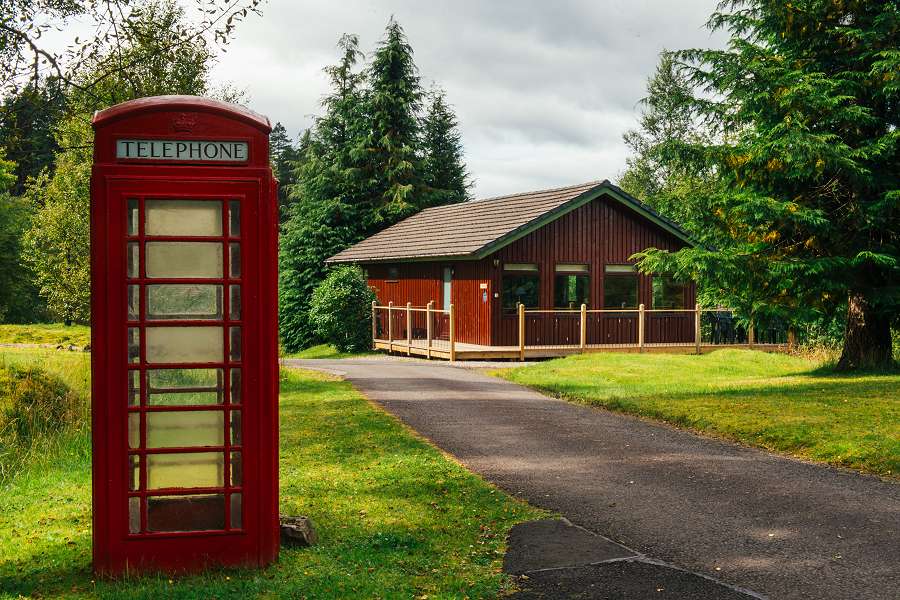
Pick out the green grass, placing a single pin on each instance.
(325, 351)
(45, 333)
(783, 403)
(42, 424)
(395, 517)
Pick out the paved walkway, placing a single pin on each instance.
(773, 525)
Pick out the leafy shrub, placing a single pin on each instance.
(341, 309)
(35, 409)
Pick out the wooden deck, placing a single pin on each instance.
(441, 349)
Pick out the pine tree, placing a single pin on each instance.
(284, 156)
(392, 166)
(445, 175)
(324, 215)
(663, 171)
(362, 168)
(806, 98)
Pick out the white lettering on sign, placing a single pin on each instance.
(187, 150)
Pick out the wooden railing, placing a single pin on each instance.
(435, 327)
(639, 328)
(406, 328)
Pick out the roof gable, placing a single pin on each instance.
(472, 230)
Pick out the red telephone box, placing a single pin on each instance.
(184, 221)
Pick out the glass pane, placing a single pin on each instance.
(134, 388)
(134, 515)
(571, 268)
(520, 288)
(185, 470)
(134, 430)
(234, 227)
(236, 518)
(179, 387)
(237, 469)
(134, 344)
(235, 386)
(235, 343)
(570, 291)
(182, 217)
(528, 267)
(133, 214)
(184, 259)
(236, 428)
(185, 344)
(132, 259)
(184, 301)
(185, 428)
(235, 254)
(134, 299)
(620, 291)
(186, 513)
(620, 268)
(134, 469)
(234, 303)
(667, 293)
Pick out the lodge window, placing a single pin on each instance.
(620, 287)
(667, 292)
(521, 285)
(571, 286)
(393, 274)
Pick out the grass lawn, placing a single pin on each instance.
(325, 351)
(783, 403)
(45, 333)
(395, 517)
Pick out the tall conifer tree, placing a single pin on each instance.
(284, 156)
(808, 94)
(364, 169)
(324, 215)
(392, 165)
(445, 174)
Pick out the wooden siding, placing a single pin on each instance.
(597, 234)
(421, 282)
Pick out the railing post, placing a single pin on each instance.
(409, 328)
(428, 333)
(390, 327)
(791, 337)
(521, 308)
(374, 321)
(452, 333)
(697, 315)
(583, 328)
(641, 316)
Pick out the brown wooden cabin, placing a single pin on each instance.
(554, 248)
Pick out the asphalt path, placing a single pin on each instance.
(779, 527)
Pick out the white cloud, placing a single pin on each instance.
(543, 90)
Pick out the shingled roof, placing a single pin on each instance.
(474, 229)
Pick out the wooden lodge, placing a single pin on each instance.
(547, 271)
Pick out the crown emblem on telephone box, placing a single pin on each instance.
(185, 122)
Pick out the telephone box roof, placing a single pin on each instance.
(184, 103)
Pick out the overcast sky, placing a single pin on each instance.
(543, 89)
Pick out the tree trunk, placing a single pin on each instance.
(867, 338)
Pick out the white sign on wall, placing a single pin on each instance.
(186, 150)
